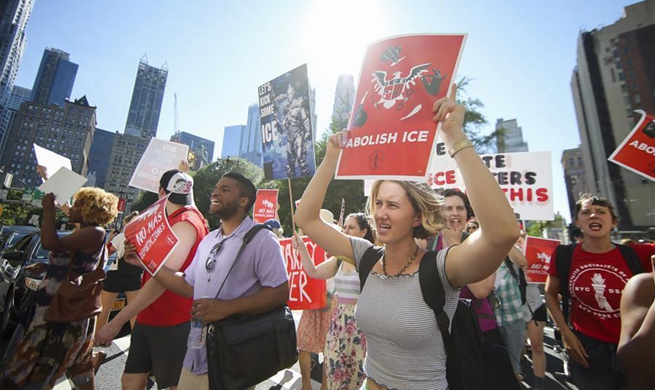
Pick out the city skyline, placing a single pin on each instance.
(216, 75)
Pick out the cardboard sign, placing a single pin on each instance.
(538, 252)
(152, 236)
(392, 133)
(160, 156)
(265, 205)
(64, 184)
(526, 178)
(287, 133)
(51, 160)
(637, 151)
(305, 293)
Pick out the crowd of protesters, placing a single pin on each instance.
(382, 336)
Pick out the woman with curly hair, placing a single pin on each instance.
(39, 353)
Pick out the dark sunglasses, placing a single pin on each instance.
(211, 259)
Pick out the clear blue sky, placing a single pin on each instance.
(520, 55)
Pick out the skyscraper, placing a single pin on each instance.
(147, 97)
(614, 76)
(343, 98)
(201, 150)
(55, 78)
(575, 177)
(251, 138)
(99, 153)
(232, 141)
(510, 140)
(14, 15)
(66, 130)
(17, 97)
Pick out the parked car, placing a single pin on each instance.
(10, 234)
(16, 285)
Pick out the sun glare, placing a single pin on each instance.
(337, 32)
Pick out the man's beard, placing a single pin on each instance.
(228, 210)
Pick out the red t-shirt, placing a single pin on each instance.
(172, 309)
(596, 281)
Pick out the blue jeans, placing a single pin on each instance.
(603, 372)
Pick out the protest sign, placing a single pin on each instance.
(305, 293)
(287, 128)
(637, 151)
(50, 160)
(64, 184)
(538, 251)
(152, 236)
(160, 156)
(265, 205)
(526, 178)
(392, 133)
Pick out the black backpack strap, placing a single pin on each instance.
(510, 266)
(434, 294)
(246, 239)
(366, 264)
(631, 258)
(563, 256)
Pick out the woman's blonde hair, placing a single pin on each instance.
(99, 208)
(424, 201)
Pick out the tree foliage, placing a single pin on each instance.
(474, 120)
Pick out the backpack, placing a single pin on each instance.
(564, 255)
(464, 364)
(519, 277)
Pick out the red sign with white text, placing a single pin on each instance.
(305, 293)
(392, 133)
(265, 205)
(151, 235)
(538, 252)
(637, 151)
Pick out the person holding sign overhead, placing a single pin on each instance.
(158, 339)
(52, 343)
(407, 352)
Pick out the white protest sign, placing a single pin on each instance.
(160, 156)
(50, 160)
(64, 184)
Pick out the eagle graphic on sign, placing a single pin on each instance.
(397, 88)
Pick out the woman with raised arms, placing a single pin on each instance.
(404, 347)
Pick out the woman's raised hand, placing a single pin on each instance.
(451, 114)
(336, 142)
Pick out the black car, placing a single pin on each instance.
(16, 285)
(10, 234)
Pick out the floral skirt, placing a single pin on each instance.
(345, 350)
(313, 327)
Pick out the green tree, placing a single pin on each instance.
(536, 228)
(474, 120)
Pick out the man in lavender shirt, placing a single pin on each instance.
(257, 283)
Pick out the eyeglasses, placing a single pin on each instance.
(213, 254)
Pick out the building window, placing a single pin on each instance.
(632, 74)
(613, 75)
(628, 62)
(618, 64)
(621, 77)
(637, 99)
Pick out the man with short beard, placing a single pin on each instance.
(257, 283)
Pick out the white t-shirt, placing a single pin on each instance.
(118, 242)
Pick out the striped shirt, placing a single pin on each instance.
(404, 346)
(347, 287)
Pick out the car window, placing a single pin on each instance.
(21, 244)
(44, 253)
(15, 237)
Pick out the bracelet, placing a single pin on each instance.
(459, 145)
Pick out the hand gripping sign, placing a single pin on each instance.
(538, 251)
(392, 134)
(305, 293)
(152, 236)
(637, 151)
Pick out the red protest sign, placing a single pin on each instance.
(392, 134)
(637, 151)
(152, 236)
(265, 204)
(305, 293)
(538, 252)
